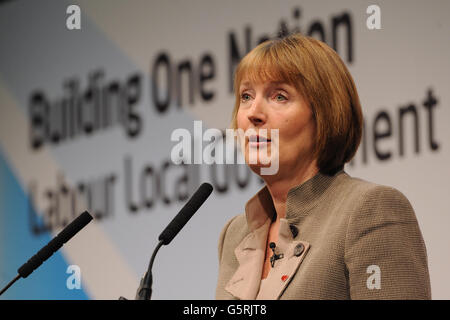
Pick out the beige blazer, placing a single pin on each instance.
(342, 238)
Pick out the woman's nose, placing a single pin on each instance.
(257, 114)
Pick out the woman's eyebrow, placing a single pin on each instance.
(244, 85)
(278, 83)
(270, 84)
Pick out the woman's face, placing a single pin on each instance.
(276, 105)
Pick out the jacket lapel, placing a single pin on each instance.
(250, 253)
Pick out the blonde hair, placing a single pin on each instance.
(320, 75)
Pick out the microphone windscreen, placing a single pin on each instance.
(186, 213)
(57, 242)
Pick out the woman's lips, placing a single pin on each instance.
(258, 141)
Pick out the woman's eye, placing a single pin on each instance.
(245, 97)
(280, 97)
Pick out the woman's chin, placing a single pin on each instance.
(259, 158)
(256, 167)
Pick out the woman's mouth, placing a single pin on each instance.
(255, 141)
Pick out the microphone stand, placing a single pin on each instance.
(144, 292)
(10, 284)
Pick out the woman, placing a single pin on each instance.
(313, 232)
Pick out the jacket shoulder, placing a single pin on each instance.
(378, 200)
(366, 195)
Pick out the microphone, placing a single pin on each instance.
(275, 256)
(55, 244)
(185, 213)
(144, 291)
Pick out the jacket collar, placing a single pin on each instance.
(305, 197)
(301, 200)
